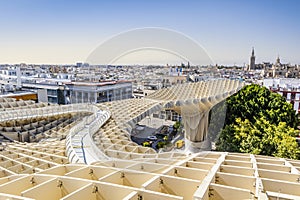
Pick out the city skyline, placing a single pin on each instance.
(52, 32)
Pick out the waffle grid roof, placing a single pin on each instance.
(43, 170)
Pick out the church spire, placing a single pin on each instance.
(252, 60)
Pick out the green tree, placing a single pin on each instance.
(161, 144)
(146, 144)
(259, 121)
(262, 137)
(256, 101)
(177, 125)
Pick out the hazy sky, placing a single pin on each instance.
(56, 31)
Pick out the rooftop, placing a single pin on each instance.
(84, 151)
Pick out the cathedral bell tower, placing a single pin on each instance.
(252, 61)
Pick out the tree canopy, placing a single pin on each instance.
(254, 101)
(259, 121)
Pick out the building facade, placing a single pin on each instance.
(84, 92)
(289, 88)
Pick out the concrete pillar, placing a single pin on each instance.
(82, 96)
(75, 93)
(107, 94)
(89, 97)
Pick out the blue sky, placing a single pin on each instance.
(55, 31)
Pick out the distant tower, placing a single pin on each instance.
(278, 60)
(252, 60)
